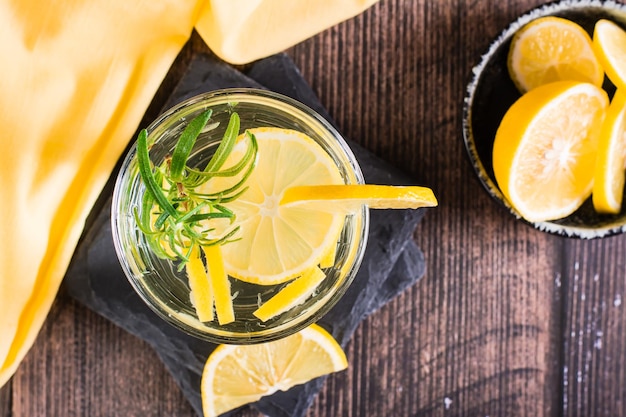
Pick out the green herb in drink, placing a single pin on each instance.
(175, 217)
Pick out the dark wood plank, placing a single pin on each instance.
(83, 365)
(5, 400)
(594, 379)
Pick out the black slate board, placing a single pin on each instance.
(392, 261)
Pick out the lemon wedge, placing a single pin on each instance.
(201, 293)
(351, 197)
(295, 293)
(551, 49)
(545, 149)
(609, 42)
(219, 283)
(237, 375)
(608, 186)
(210, 288)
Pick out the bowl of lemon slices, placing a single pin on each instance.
(544, 119)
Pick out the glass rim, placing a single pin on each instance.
(304, 115)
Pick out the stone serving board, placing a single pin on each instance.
(392, 260)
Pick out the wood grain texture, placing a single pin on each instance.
(593, 373)
(82, 365)
(508, 321)
(5, 400)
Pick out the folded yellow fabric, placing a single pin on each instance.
(240, 31)
(75, 80)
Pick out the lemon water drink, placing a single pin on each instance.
(262, 269)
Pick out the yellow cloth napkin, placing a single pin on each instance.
(75, 80)
(240, 31)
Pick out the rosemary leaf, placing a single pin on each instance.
(249, 160)
(145, 170)
(246, 159)
(185, 144)
(206, 216)
(226, 145)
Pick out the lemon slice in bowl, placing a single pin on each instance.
(278, 243)
(609, 42)
(550, 49)
(545, 149)
(608, 186)
(237, 375)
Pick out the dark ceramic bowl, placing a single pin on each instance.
(491, 92)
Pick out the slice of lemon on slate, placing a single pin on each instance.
(237, 375)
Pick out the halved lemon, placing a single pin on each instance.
(545, 148)
(278, 243)
(608, 186)
(551, 49)
(609, 42)
(237, 375)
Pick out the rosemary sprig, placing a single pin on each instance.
(174, 216)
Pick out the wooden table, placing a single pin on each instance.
(507, 321)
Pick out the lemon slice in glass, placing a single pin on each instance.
(278, 243)
(293, 209)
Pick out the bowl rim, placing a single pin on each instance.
(486, 181)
